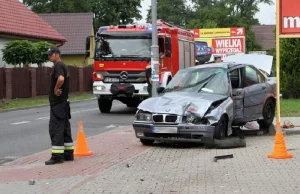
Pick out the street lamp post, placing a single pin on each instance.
(154, 50)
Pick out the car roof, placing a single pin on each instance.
(226, 65)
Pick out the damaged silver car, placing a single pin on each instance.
(206, 102)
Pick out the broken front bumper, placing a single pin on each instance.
(177, 133)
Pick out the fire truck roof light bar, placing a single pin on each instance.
(148, 28)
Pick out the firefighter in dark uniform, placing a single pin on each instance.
(148, 77)
(217, 59)
(59, 125)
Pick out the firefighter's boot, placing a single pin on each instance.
(69, 155)
(55, 159)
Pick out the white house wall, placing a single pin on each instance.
(3, 42)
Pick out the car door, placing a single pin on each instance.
(237, 94)
(255, 91)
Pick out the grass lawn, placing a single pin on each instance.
(42, 100)
(290, 108)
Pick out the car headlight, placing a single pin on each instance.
(194, 118)
(143, 116)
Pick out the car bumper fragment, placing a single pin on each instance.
(175, 133)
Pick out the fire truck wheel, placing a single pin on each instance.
(104, 105)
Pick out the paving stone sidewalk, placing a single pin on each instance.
(165, 169)
(122, 165)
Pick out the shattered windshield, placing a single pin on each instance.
(123, 47)
(210, 80)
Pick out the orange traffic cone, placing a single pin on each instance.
(81, 144)
(280, 151)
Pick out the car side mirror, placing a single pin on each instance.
(87, 46)
(160, 90)
(87, 54)
(238, 92)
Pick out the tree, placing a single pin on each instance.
(228, 13)
(172, 11)
(18, 52)
(58, 6)
(107, 12)
(40, 49)
(115, 12)
(25, 52)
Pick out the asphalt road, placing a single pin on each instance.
(25, 132)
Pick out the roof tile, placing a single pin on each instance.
(265, 36)
(76, 27)
(18, 20)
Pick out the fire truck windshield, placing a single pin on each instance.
(120, 47)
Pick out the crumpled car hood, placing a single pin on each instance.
(178, 102)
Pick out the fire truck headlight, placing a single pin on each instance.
(99, 88)
(99, 76)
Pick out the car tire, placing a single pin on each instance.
(147, 142)
(268, 114)
(237, 132)
(221, 128)
(104, 105)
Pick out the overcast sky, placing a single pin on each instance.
(265, 16)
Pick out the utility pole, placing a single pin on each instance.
(154, 50)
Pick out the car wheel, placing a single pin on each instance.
(147, 142)
(104, 105)
(268, 114)
(221, 128)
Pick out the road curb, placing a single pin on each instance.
(40, 106)
(291, 131)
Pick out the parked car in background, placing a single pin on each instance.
(207, 102)
(203, 52)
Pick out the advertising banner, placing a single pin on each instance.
(210, 47)
(218, 41)
(218, 32)
(289, 17)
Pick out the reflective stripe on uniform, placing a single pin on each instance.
(57, 147)
(69, 147)
(68, 144)
(58, 151)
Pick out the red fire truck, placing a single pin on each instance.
(121, 56)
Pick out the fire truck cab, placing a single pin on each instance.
(121, 56)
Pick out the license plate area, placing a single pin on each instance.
(109, 79)
(164, 129)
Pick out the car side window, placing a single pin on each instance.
(235, 79)
(261, 77)
(251, 77)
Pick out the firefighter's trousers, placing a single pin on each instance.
(149, 89)
(60, 130)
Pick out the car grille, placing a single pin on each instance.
(133, 76)
(166, 118)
